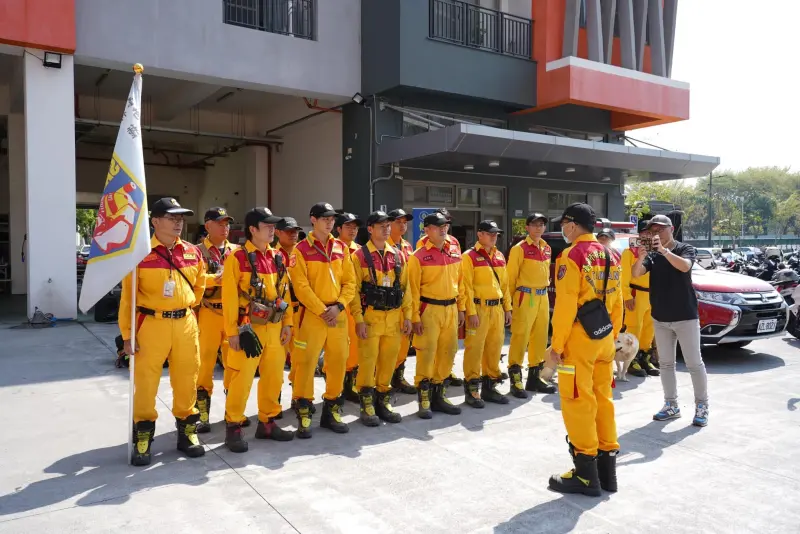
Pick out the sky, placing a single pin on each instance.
(741, 59)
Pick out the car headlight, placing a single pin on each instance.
(723, 298)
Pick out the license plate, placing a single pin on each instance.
(767, 325)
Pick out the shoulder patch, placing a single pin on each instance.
(562, 271)
(292, 260)
(151, 257)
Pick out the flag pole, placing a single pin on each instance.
(132, 361)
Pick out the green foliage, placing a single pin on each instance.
(85, 221)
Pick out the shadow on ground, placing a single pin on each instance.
(559, 516)
(646, 444)
(722, 360)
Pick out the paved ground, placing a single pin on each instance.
(63, 414)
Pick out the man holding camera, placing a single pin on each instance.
(215, 249)
(258, 322)
(382, 312)
(675, 318)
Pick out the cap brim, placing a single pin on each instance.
(407, 217)
(325, 214)
(179, 211)
(557, 219)
(542, 218)
(650, 225)
(223, 218)
(438, 223)
(290, 228)
(379, 220)
(272, 220)
(358, 221)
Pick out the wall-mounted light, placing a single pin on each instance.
(494, 163)
(606, 178)
(541, 173)
(52, 60)
(469, 167)
(569, 169)
(359, 99)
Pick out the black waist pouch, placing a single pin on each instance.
(593, 315)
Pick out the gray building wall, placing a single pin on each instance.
(187, 39)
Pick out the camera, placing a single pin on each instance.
(646, 242)
(213, 267)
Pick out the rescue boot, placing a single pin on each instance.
(384, 408)
(349, 387)
(637, 367)
(280, 414)
(331, 417)
(517, 389)
(311, 404)
(203, 405)
(143, 433)
(234, 438)
(647, 364)
(472, 395)
(367, 400)
(453, 380)
(188, 442)
(607, 469)
(271, 430)
(489, 392)
(304, 410)
(399, 382)
(424, 399)
(583, 478)
(535, 383)
(440, 402)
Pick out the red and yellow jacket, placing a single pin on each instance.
(629, 256)
(403, 247)
(320, 281)
(384, 269)
(153, 272)
(479, 282)
(434, 274)
(452, 241)
(579, 278)
(286, 253)
(529, 265)
(213, 291)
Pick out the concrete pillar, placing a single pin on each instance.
(627, 34)
(572, 20)
(257, 177)
(50, 164)
(594, 30)
(18, 223)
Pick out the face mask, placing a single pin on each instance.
(567, 239)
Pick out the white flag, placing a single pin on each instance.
(122, 237)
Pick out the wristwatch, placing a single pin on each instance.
(340, 306)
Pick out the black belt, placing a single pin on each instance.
(490, 302)
(173, 314)
(215, 305)
(640, 288)
(437, 302)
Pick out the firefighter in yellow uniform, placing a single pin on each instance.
(399, 226)
(258, 322)
(638, 319)
(382, 311)
(528, 281)
(215, 249)
(488, 309)
(437, 309)
(587, 279)
(170, 282)
(346, 227)
(323, 280)
(288, 232)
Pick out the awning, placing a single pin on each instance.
(510, 153)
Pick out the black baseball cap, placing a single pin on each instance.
(217, 214)
(489, 226)
(608, 232)
(168, 205)
(400, 214)
(658, 220)
(446, 213)
(436, 219)
(579, 213)
(377, 217)
(346, 217)
(322, 209)
(259, 215)
(287, 223)
(536, 216)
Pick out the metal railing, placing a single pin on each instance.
(287, 17)
(458, 22)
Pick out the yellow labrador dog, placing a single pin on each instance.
(627, 347)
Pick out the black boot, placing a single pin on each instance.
(654, 358)
(649, 368)
(399, 381)
(515, 374)
(453, 380)
(535, 382)
(271, 430)
(583, 478)
(424, 399)
(440, 402)
(384, 408)
(234, 438)
(472, 395)
(607, 469)
(143, 433)
(349, 387)
(637, 366)
(311, 405)
(331, 417)
(188, 443)
(367, 401)
(489, 393)
(203, 405)
(304, 410)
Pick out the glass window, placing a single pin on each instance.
(440, 194)
(492, 198)
(598, 203)
(537, 200)
(468, 196)
(414, 194)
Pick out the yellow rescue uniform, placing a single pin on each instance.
(485, 288)
(450, 240)
(378, 353)
(322, 276)
(434, 279)
(242, 370)
(287, 254)
(585, 378)
(405, 250)
(528, 280)
(166, 326)
(352, 357)
(639, 322)
(209, 318)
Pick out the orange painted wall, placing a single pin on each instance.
(43, 24)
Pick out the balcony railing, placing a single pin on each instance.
(287, 17)
(465, 24)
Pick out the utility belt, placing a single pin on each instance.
(539, 291)
(381, 298)
(640, 288)
(262, 311)
(437, 302)
(488, 302)
(213, 293)
(172, 314)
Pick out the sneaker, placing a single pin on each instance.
(669, 411)
(700, 414)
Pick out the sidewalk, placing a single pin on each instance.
(63, 411)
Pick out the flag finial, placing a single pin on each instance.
(138, 68)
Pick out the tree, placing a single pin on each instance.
(787, 218)
(85, 221)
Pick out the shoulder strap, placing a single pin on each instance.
(485, 254)
(254, 280)
(370, 264)
(204, 251)
(277, 257)
(169, 259)
(608, 271)
(397, 268)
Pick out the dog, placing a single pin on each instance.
(627, 347)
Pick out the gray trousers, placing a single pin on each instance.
(688, 334)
